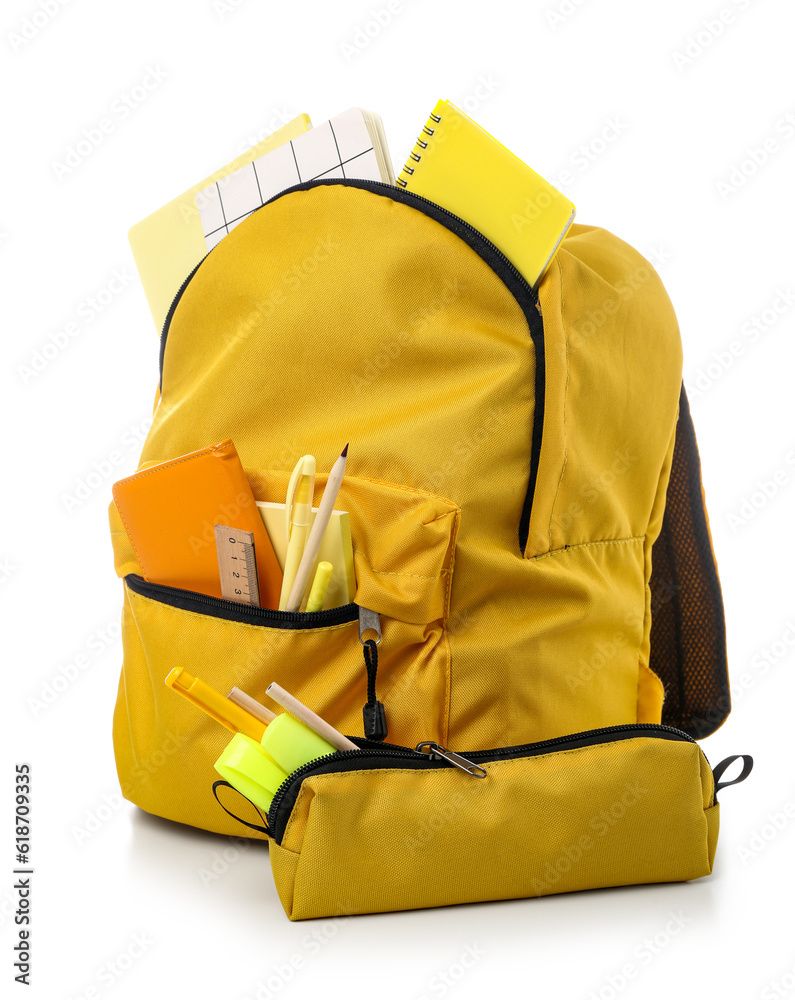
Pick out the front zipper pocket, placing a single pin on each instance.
(390, 828)
(404, 546)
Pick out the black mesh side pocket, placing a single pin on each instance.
(688, 631)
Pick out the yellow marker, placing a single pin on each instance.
(214, 704)
(317, 594)
(298, 515)
(258, 758)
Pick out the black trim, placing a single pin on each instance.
(509, 274)
(172, 309)
(216, 607)
(372, 755)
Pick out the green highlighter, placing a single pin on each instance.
(266, 748)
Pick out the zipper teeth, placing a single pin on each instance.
(305, 769)
(478, 757)
(472, 229)
(378, 184)
(345, 613)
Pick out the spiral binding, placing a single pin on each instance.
(420, 144)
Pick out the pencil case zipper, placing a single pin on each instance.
(217, 607)
(372, 755)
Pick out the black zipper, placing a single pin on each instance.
(502, 266)
(372, 755)
(204, 604)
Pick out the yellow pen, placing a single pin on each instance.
(298, 514)
(232, 716)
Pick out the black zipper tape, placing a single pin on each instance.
(372, 755)
(509, 274)
(231, 611)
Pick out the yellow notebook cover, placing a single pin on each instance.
(336, 548)
(168, 244)
(458, 165)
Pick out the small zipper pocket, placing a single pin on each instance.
(386, 828)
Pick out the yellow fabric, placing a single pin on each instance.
(335, 314)
(621, 813)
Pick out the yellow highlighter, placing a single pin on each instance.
(317, 594)
(259, 757)
(298, 515)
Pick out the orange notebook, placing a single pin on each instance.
(170, 510)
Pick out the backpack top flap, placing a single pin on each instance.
(688, 632)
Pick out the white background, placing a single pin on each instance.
(647, 139)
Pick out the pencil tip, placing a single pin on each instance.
(345, 451)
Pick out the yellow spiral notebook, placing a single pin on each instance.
(458, 165)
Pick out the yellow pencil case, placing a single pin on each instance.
(389, 828)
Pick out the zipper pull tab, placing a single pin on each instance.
(373, 713)
(435, 751)
(369, 621)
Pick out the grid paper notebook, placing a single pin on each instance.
(340, 147)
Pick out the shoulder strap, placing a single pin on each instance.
(688, 631)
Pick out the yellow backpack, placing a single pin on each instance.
(529, 529)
